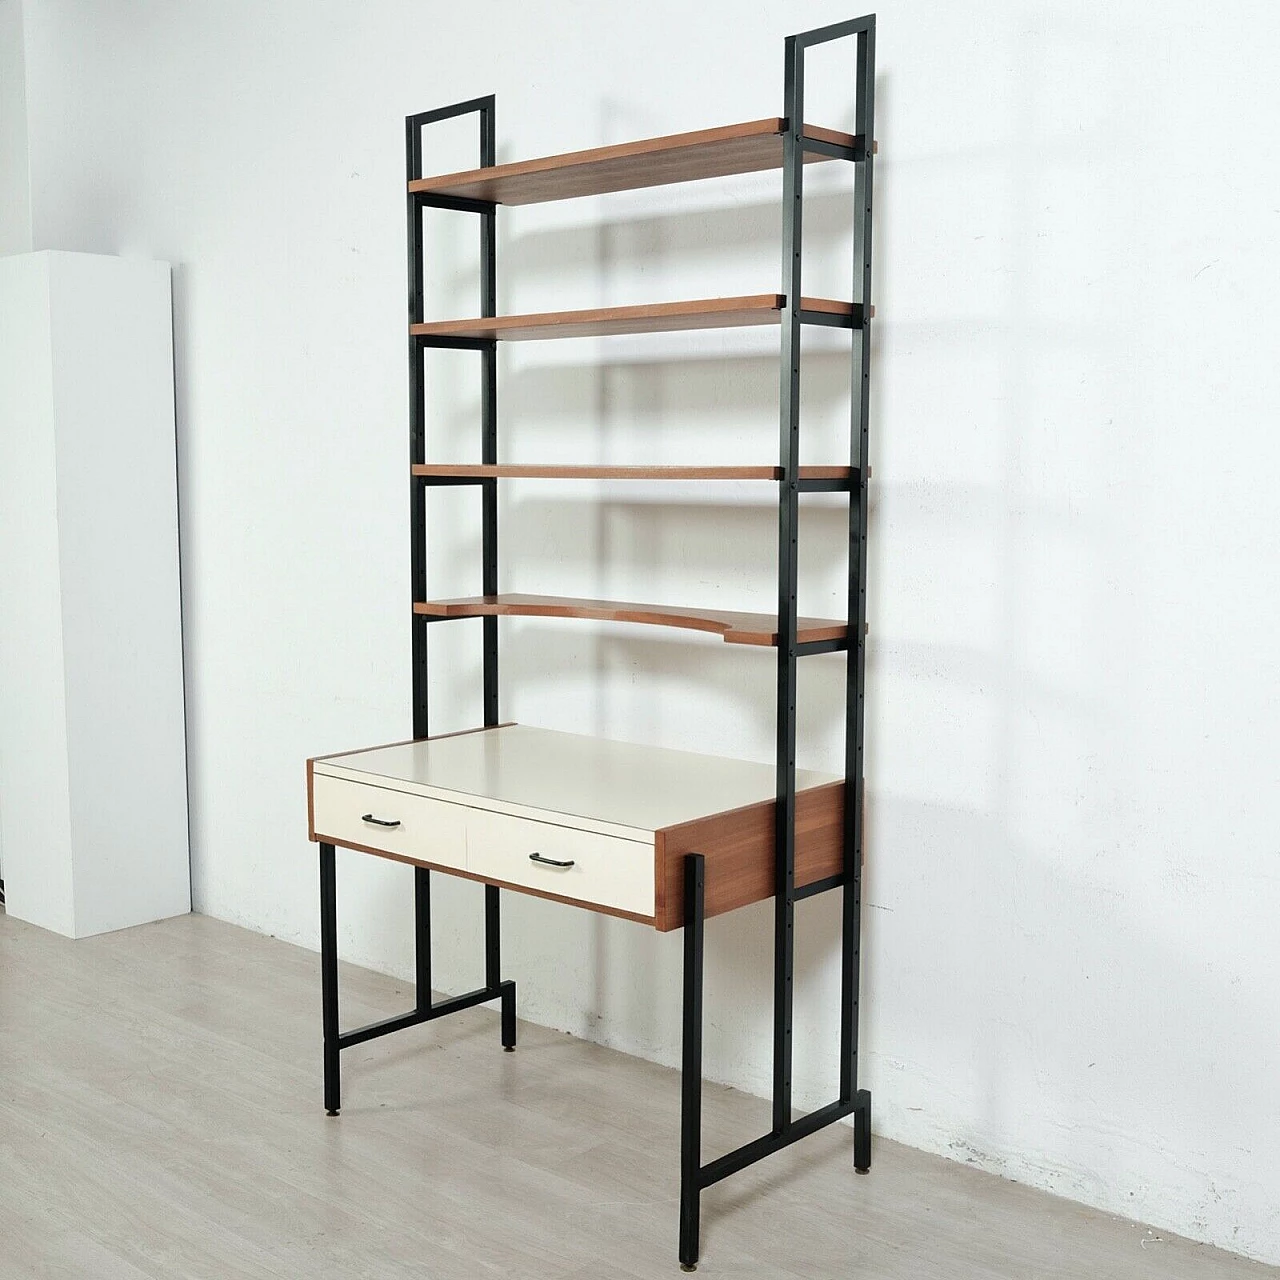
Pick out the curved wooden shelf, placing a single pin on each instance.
(538, 471)
(654, 317)
(629, 166)
(734, 627)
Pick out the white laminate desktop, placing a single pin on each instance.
(578, 819)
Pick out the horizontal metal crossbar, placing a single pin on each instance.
(824, 484)
(440, 1009)
(820, 146)
(834, 319)
(437, 481)
(836, 31)
(807, 648)
(449, 340)
(463, 204)
(712, 1173)
(819, 886)
(455, 109)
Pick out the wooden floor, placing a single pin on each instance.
(160, 1117)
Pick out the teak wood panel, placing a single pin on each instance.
(739, 850)
(734, 627)
(540, 471)
(649, 162)
(654, 317)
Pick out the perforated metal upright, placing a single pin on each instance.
(417, 203)
(495, 988)
(851, 1100)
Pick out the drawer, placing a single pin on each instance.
(606, 871)
(427, 830)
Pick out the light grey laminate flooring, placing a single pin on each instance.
(160, 1117)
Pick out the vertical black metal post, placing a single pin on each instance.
(489, 419)
(493, 966)
(487, 213)
(418, 538)
(857, 605)
(509, 1016)
(691, 1061)
(492, 944)
(788, 573)
(422, 936)
(329, 978)
(417, 431)
(489, 540)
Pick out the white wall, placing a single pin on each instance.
(1073, 974)
(15, 187)
(15, 193)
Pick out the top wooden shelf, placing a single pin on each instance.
(651, 162)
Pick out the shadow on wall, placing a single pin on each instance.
(707, 234)
(960, 558)
(730, 235)
(189, 584)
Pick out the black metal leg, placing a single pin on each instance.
(492, 936)
(862, 1132)
(788, 583)
(691, 1062)
(422, 936)
(855, 684)
(329, 978)
(509, 1016)
(493, 965)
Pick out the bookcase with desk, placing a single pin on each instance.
(662, 837)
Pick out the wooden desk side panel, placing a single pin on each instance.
(739, 849)
(311, 800)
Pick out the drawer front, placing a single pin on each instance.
(427, 830)
(606, 871)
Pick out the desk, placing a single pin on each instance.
(661, 837)
(598, 824)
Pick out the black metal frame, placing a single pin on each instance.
(694, 1175)
(495, 988)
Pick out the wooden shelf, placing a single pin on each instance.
(536, 471)
(655, 317)
(651, 162)
(734, 627)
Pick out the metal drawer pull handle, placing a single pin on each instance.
(380, 822)
(549, 862)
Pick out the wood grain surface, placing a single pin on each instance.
(739, 849)
(652, 317)
(649, 162)
(574, 471)
(735, 627)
